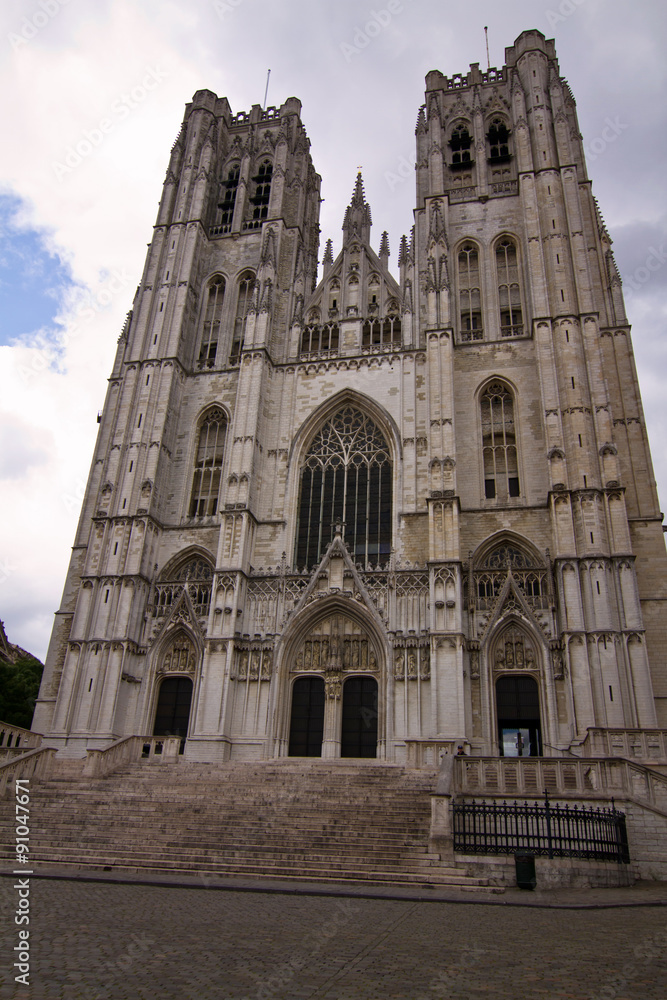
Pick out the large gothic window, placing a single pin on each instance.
(470, 294)
(501, 476)
(346, 478)
(208, 465)
(211, 325)
(509, 292)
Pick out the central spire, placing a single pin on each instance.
(357, 222)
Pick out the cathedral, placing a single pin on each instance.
(351, 516)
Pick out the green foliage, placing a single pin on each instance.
(19, 686)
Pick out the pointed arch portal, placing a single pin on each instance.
(518, 704)
(172, 714)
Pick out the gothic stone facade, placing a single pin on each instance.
(328, 518)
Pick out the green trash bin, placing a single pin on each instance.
(525, 871)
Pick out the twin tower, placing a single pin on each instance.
(336, 518)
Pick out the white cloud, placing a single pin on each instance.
(72, 75)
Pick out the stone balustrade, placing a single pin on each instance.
(33, 764)
(14, 741)
(586, 778)
(14, 737)
(102, 762)
(647, 745)
(429, 753)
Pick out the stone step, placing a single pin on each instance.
(324, 822)
(277, 869)
(195, 860)
(461, 883)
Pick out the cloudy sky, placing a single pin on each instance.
(111, 77)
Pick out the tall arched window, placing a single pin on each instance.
(246, 285)
(210, 336)
(346, 477)
(509, 291)
(501, 476)
(228, 200)
(460, 144)
(470, 294)
(208, 464)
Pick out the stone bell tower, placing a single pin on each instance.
(234, 251)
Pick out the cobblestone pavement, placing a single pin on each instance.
(95, 941)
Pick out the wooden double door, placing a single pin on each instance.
(358, 717)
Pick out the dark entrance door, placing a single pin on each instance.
(173, 707)
(359, 734)
(307, 722)
(518, 704)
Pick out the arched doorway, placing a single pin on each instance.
(518, 706)
(307, 719)
(359, 729)
(172, 714)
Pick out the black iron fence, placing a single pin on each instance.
(557, 831)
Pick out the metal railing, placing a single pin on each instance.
(560, 831)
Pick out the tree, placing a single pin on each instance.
(19, 687)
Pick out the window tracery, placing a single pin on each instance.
(501, 476)
(346, 478)
(261, 196)
(470, 294)
(382, 333)
(211, 325)
(317, 339)
(228, 201)
(498, 138)
(509, 291)
(243, 303)
(194, 575)
(208, 464)
(460, 144)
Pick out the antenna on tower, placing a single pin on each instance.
(267, 89)
(486, 35)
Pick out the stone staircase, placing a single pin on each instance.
(332, 822)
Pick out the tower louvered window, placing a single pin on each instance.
(470, 294)
(261, 195)
(211, 326)
(346, 478)
(226, 206)
(460, 144)
(501, 476)
(246, 285)
(509, 291)
(498, 138)
(208, 465)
